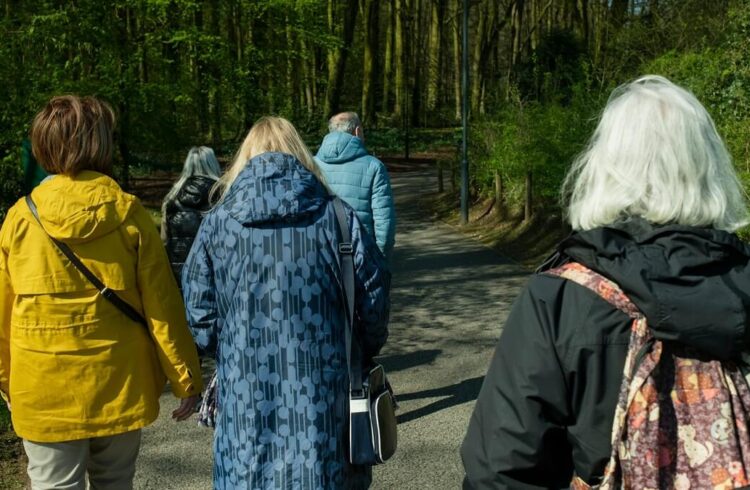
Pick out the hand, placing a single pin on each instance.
(186, 408)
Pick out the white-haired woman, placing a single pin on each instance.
(186, 203)
(653, 202)
(262, 291)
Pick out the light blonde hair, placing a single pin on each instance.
(72, 134)
(656, 154)
(268, 134)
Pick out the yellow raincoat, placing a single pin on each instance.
(71, 364)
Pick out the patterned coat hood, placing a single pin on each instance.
(274, 187)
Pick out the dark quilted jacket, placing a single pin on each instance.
(181, 218)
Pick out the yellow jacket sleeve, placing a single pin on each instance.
(164, 310)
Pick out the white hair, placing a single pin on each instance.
(655, 154)
(346, 122)
(200, 160)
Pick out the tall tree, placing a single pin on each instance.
(390, 20)
(337, 63)
(433, 55)
(399, 54)
(371, 23)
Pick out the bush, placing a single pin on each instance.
(531, 137)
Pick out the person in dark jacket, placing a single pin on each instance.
(262, 287)
(186, 203)
(653, 202)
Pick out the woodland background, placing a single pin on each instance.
(187, 72)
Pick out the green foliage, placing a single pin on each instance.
(554, 68)
(539, 137)
(10, 182)
(720, 77)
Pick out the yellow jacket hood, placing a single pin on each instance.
(81, 208)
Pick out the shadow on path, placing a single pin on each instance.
(465, 391)
(401, 362)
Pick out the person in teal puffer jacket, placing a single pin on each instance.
(358, 178)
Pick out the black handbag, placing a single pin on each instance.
(372, 406)
(106, 293)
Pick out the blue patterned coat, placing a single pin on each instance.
(262, 291)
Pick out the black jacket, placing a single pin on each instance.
(547, 404)
(181, 218)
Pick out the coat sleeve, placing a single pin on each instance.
(517, 434)
(199, 291)
(383, 210)
(372, 282)
(7, 298)
(164, 311)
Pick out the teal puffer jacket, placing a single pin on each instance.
(362, 181)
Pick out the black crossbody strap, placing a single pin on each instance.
(346, 252)
(107, 293)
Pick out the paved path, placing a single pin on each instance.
(450, 297)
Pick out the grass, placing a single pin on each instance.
(12, 458)
(526, 242)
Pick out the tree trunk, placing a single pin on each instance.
(516, 26)
(476, 56)
(416, 66)
(309, 74)
(457, 57)
(528, 202)
(388, 62)
(399, 58)
(289, 61)
(371, 21)
(619, 11)
(433, 56)
(199, 76)
(215, 91)
(499, 194)
(336, 74)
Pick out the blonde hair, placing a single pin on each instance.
(268, 134)
(655, 154)
(72, 134)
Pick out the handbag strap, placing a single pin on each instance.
(346, 252)
(107, 293)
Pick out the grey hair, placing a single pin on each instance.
(346, 122)
(200, 160)
(655, 154)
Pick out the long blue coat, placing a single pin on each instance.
(362, 181)
(262, 291)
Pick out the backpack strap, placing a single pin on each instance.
(104, 291)
(608, 290)
(643, 355)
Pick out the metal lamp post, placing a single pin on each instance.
(464, 118)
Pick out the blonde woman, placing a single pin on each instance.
(81, 377)
(262, 290)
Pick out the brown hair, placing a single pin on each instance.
(72, 134)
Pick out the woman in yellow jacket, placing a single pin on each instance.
(80, 377)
